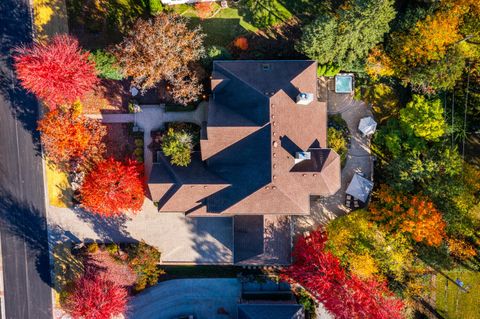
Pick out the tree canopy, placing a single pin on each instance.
(424, 117)
(113, 188)
(346, 37)
(163, 49)
(58, 72)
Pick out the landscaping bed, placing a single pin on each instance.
(338, 136)
(120, 141)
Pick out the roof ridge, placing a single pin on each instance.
(243, 81)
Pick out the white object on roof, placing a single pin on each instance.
(367, 125)
(360, 187)
(301, 156)
(304, 98)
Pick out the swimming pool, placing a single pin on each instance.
(344, 83)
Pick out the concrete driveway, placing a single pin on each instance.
(203, 298)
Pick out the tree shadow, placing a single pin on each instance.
(16, 31)
(99, 24)
(212, 239)
(111, 229)
(27, 224)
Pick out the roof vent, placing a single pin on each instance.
(266, 66)
(301, 156)
(304, 98)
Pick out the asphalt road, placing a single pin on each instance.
(23, 231)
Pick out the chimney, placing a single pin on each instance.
(304, 98)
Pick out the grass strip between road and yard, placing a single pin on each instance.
(60, 193)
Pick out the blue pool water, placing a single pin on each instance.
(343, 83)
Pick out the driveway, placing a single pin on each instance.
(203, 298)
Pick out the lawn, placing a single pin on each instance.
(59, 191)
(221, 29)
(453, 302)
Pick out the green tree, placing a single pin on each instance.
(424, 117)
(368, 250)
(178, 145)
(144, 259)
(106, 65)
(346, 37)
(337, 142)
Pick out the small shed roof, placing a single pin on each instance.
(367, 125)
(360, 187)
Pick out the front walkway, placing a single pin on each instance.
(151, 118)
(202, 298)
(359, 159)
(179, 238)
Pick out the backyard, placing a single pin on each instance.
(454, 302)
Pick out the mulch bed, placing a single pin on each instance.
(120, 143)
(109, 96)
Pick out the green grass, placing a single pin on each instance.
(452, 302)
(221, 29)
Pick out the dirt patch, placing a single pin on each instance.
(117, 271)
(119, 142)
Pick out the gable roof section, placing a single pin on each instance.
(184, 188)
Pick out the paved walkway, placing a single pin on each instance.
(202, 298)
(358, 160)
(151, 118)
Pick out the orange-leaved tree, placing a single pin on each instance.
(67, 135)
(415, 215)
(57, 72)
(113, 188)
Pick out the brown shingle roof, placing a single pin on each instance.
(255, 127)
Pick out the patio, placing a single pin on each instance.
(359, 159)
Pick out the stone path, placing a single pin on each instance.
(359, 159)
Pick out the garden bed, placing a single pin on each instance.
(120, 142)
(338, 136)
(109, 96)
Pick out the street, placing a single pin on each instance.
(23, 231)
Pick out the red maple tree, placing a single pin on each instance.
(113, 188)
(57, 72)
(344, 295)
(96, 297)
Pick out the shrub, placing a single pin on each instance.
(216, 52)
(144, 259)
(241, 43)
(57, 72)
(92, 248)
(332, 70)
(321, 69)
(204, 9)
(338, 142)
(106, 65)
(156, 6)
(178, 145)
